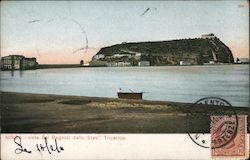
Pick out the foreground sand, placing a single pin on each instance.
(23, 112)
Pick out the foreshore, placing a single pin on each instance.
(40, 113)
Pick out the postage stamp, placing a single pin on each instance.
(223, 130)
(224, 143)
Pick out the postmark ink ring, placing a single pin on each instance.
(223, 127)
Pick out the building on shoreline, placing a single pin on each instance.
(28, 63)
(11, 62)
(242, 61)
(18, 62)
(185, 63)
(143, 63)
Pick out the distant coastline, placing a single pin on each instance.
(54, 66)
(50, 66)
(47, 66)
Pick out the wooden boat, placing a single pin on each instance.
(128, 95)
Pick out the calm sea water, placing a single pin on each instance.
(168, 83)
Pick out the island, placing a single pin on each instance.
(207, 49)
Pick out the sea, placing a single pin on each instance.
(161, 83)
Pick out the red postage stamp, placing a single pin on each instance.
(229, 137)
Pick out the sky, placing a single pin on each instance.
(58, 32)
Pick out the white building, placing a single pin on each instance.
(98, 56)
(118, 55)
(112, 64)
(144, 63)
(185, 63)
(208, 36)
(137, 56)
(11, 62)
(211, 62)
(15, 62)
(123, 64)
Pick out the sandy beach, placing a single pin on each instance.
(39, 113)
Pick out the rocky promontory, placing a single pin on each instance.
(196, 51)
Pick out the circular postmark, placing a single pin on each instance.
(223, 123)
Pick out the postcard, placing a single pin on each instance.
(124, 80)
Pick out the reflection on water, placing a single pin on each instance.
(20, 72)
(168, 83)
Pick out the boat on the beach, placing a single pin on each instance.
(129, 95)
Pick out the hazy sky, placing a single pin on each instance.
(53, 30)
